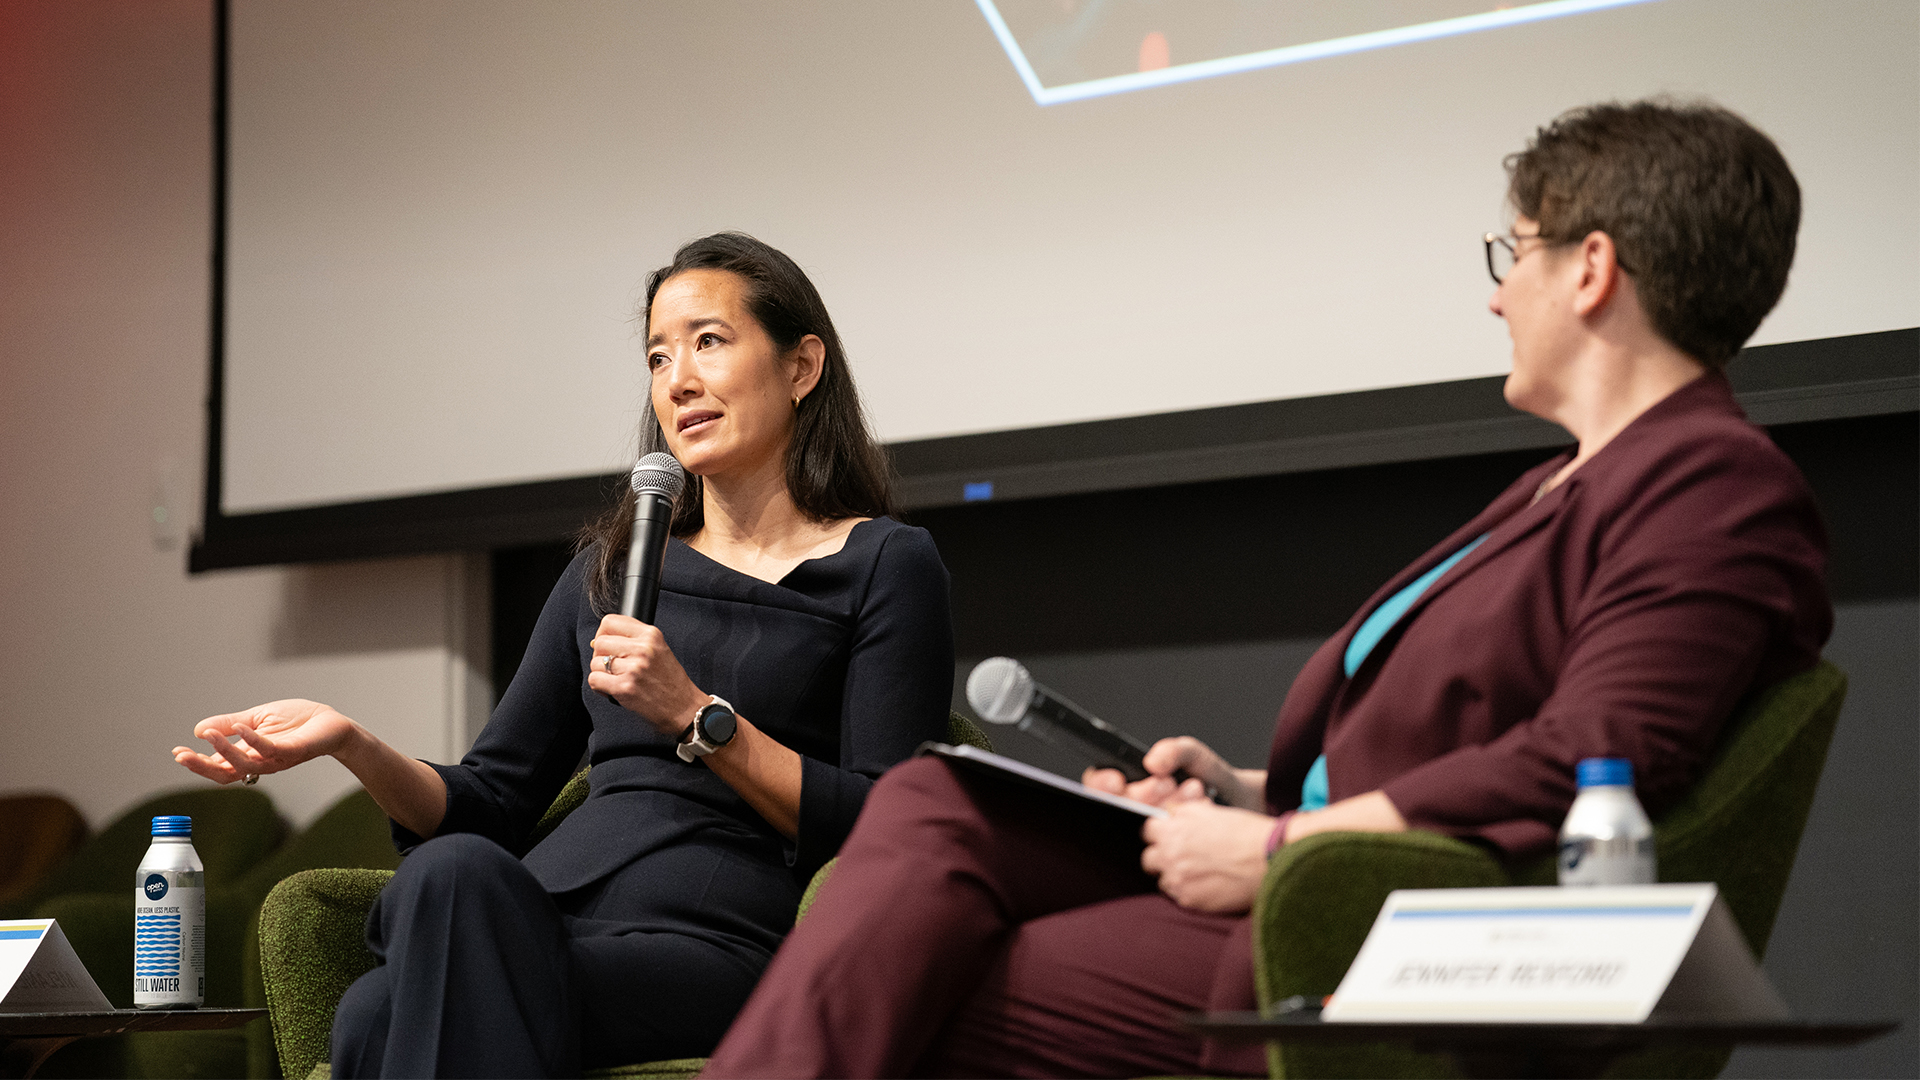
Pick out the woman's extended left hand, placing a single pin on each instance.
(1208, 857)
(644, 677)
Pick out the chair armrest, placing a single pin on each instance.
(312, 947)
(1315, 908)
(1322, 892)
(262, 1058)
(813, 889)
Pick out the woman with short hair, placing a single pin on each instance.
(1616, 601)
(807, 631)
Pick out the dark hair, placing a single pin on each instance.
(834, 467)
(1701, 206)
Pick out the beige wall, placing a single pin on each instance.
(109, 650)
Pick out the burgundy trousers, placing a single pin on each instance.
(973, 927)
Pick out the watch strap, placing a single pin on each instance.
(693, 742)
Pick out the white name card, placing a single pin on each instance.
(1550, 955)
(40, 972)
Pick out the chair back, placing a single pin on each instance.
(1740, 826)
(42, 831)
(353, 832)
(234, 828)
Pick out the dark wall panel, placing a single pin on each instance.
(1294, 555)
(522, 578)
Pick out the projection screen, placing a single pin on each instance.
(439, 213)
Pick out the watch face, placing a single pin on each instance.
(717, 723)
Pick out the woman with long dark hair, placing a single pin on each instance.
(802, 645)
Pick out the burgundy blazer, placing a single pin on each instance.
(1625, 614)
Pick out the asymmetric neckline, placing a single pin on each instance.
(845, 546)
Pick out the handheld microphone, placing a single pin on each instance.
(1002, 691)
(657, 480)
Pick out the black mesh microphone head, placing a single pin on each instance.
(658, 474)
(999, 689)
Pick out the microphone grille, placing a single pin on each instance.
(658, 474)
(999, 688)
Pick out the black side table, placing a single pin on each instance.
(1528, 1050)
(26, 1039)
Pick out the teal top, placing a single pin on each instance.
(1313, 793)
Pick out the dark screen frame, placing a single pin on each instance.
(1831, 378)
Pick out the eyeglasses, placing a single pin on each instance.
(1503, 252)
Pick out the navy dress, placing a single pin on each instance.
(637, 928)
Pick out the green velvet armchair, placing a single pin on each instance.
(42, 833)
(312, 944)
(1739, 828)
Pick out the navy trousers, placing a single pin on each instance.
(482, 972)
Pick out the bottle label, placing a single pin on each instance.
(1587, 860)
(169, 940)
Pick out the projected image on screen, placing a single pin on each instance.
(440, 214)
(1069, 50)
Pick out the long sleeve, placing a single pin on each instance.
(1692, 589)
(899, 683)
(1625, 613)
(534, 740)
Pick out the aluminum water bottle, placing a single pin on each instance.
(170, 920)
(1607, 839)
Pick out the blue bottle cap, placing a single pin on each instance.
(173, 825)
(1604, 772)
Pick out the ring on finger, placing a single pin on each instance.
(252, 779)
(607, 665)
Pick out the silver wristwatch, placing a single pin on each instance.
(713, 727)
